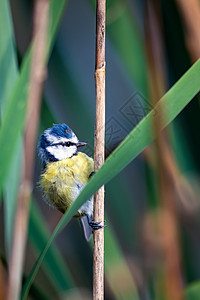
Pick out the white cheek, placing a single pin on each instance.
(60, 152)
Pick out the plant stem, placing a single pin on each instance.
(190, 11)
(98, 255)
(37, 77)
(166, 167)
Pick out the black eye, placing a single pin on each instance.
(67, 144)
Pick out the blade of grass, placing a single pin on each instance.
(8, 75)
(141, 136)
(192, 291)
(16, 104)
(10, 196)
(8, 65)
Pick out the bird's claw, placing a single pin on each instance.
(96, 225)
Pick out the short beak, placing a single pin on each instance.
(80, 144)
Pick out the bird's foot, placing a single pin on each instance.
(95, 225)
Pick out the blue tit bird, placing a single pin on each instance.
(65, 173)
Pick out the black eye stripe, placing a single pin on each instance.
(64, 144)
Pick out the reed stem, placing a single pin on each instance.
(37, 77)
(98, 255)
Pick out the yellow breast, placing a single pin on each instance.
(63, 180)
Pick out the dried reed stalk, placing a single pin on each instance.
(37, 77)
(190, 11)
(167, 220)
(98, 255)
(3, 282)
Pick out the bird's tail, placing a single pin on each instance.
(86, 228)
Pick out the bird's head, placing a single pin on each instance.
(57, 143)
